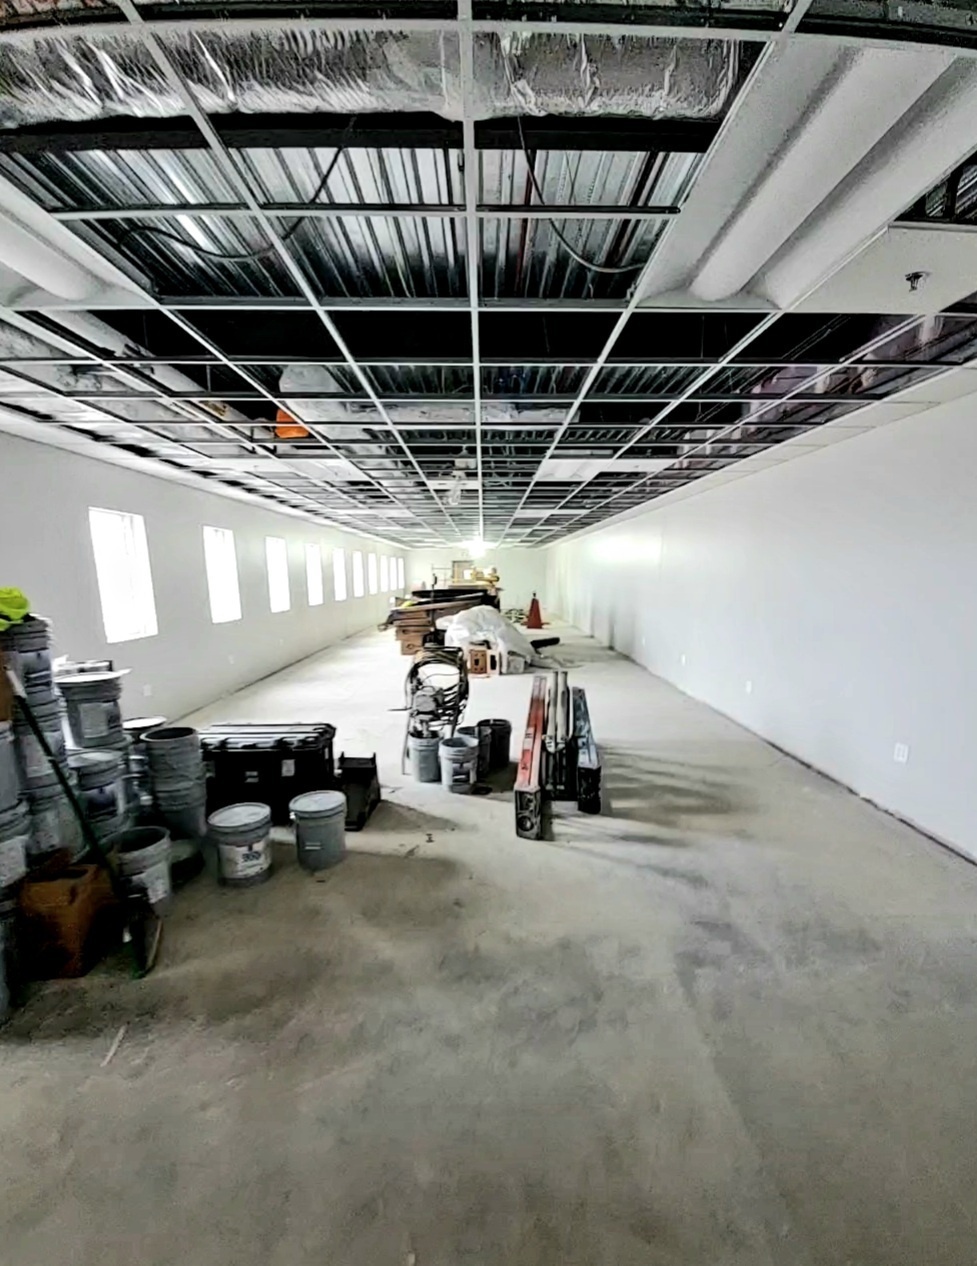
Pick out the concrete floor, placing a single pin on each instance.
(731, 1022)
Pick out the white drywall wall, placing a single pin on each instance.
(827, 603)
(45, 549)
(522, 572)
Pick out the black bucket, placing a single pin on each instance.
(501, 741)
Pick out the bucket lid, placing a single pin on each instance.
(30, 626)
(14, 816)
(44, 709)
(48, 790)
(240, 817)
(95, 763)
(91, 679)
(318, 804)
(136, 725)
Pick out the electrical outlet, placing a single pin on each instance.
(749, 687)
(147, 690)
(900, 753)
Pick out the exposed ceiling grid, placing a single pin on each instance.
(451, 305)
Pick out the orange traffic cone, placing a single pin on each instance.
(534, 619)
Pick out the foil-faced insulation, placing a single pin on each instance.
(79, 75)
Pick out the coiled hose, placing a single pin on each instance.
(441, 679)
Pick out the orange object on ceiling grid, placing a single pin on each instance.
(286, 428)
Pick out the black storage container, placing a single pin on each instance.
(266, 762)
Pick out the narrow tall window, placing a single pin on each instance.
(358, 587)
(220, 560)
(276, 556)
(400, 574)
(125, 581)
(339, 574)
(313, 574)
(384, 573)
(371, 572)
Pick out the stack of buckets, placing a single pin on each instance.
(98, 748)
(53, 826)
(469, 755)
(178, 779)
(15, 846)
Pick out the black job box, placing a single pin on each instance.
(267, 762)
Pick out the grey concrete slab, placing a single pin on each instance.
(730, 1022)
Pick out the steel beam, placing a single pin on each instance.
(489, 362)
(387, 210)
(536, 401)
(285, 303)
(473, 253)
(196, 416)
(798, 10)
(353, 19)
(755, 419)
(637, 289)
(236, 181)
(366, 131)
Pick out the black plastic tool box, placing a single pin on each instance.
(360, 784)
(267, 762)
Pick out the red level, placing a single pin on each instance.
(527, 776)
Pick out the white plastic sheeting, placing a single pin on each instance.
(484, 626)
(80, 75)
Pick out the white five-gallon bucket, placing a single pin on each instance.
(320, 828)
(240, 833)
(459, 758)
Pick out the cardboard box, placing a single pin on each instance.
(69, 921)
(411, 632)
(483, 661)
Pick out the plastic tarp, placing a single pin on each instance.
(484, 626)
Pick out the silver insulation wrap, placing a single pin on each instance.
(78, 76)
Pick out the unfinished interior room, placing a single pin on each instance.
(487, 620)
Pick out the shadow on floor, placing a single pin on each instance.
(389, 817)
(665, 794)
(243, 962)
